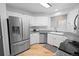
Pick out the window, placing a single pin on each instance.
(58, 23)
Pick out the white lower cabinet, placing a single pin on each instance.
(50, 39)
(34, 37)
(55, 39)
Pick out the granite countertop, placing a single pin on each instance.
(44, 31)
(62, 33)
(49, 32)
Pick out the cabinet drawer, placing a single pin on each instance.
(19, 47)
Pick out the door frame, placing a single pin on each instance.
(1, 39)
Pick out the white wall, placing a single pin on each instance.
(78, 24)
(4, 28)
(70, 25)
(70, 20)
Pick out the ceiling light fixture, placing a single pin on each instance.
(46, 5)
(58, 13)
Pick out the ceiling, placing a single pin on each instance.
(36, 8)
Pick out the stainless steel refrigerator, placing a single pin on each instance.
(15, 32)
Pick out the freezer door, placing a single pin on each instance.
(20, 47)
(15, 29)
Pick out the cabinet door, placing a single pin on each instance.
(50, 39)
(55, 39)
(34, 38)
(58, 39)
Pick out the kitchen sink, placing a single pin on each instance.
(57, 33)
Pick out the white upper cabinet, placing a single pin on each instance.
(42, 21)
(39, 21)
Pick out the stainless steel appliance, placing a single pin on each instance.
(1, 41)
(43, 38)
(16, 42)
